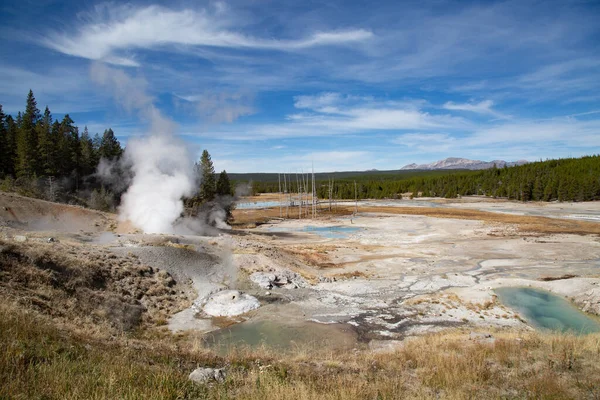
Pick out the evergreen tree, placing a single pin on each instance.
(223, 184)
(69, 147)
(11, 146)
(3, 145)
(27, 157)
(57, 139)
(88, 160)
(97, 141)
(109, 145)
(207, 174)
(46, 146)
(538, 190)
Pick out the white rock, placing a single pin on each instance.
(229, 303)
(206, 375)
(265, 281)
(20, 238)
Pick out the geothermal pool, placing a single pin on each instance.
(547, 311)
(256, 205)
(279, 336)
(328, 232)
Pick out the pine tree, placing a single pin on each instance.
(207, 174)
(223, 184)
(538, 190)
(11, 146)
(46, 146)
(3, 145)
(69, 151)
(57, 139)
(109, 145)
(88, 154)
(97, 141)
(27, 139)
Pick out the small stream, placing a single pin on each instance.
(545, 310)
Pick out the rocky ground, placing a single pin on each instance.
(392, 277)
(405, 275)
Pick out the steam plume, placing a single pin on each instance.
(162, 175)
(162, 169)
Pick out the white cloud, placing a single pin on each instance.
(572, 81)
(483, 107)
(427, 142)
(560, 132)
(318, 102)
(552, 72)
(224, 106)
(510, 140)
(108, 35)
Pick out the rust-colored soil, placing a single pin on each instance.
(524, 223)
(20, 211)
(532, 224)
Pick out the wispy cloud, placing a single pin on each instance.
(108, 36)
(427, 142)
(524, 139)
(224, 106)
(574, 80)
(362, 86)
(347, 113)
(483, 107)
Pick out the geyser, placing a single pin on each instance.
(159, 169)
(163, 173)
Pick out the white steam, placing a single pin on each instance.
(157, 169)
(163, 173)
(161, 167)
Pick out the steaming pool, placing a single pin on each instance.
(256, 205)
(328, 232)
(545, 310)
(281, 337)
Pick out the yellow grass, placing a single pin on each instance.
(39, 359)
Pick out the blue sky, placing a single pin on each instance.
(273, 86)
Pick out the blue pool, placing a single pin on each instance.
(547, 311)
(329, 232)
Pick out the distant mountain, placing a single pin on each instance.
(463, 163)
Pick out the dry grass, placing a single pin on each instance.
(351, 275)
(87, 287)
(58, 341)
(63, 335)
(39, 361)
(312, 257)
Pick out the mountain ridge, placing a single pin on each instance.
(463, 163)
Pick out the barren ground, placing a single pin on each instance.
(408, 268)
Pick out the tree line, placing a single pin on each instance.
(52, 159)
(568, 179)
